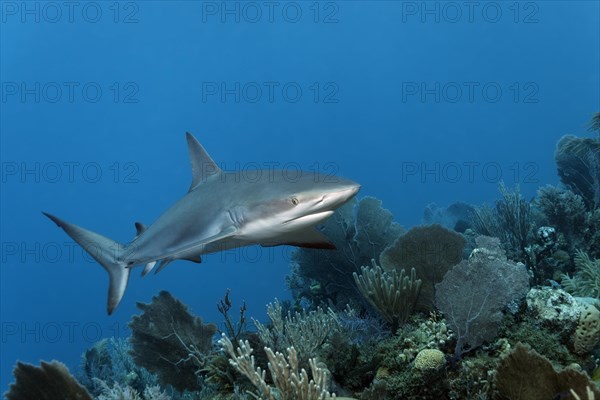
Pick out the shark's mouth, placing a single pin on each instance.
(309, 219)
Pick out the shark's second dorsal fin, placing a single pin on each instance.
(202, 165)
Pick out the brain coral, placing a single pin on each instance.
(430, 359)
(587, 333)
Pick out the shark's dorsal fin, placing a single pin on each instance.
(139, 227)
(202, 165)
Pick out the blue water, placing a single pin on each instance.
(418, 102)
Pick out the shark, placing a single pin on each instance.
(222, 210)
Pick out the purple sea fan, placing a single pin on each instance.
(474, 293)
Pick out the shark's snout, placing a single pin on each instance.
(345, 193)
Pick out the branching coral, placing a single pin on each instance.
(394, 295)
(118, 392)
(511, 221)
(586, 281)
(289, 382)
(109, 362)
(594, 124)
(563, 210)
(578, 164)
(304, 331)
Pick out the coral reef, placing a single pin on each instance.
(118, 392)
(511, 221)
(306, 331)
(290, 383)
(234, 329)
(434, 313)
(431, 250)
(488, 284)
(430, 359)
(394, 295)
(578, 164)
(594, 124)
(360, 232)
(170, 342)
(563, 210)
(50, 381)
(526, 375)
(529, 331)
(587, 333)
(586, 281)
(554, 309)
(109, 363)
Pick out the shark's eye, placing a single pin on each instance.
(295, 200)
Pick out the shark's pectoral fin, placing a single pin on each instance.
(308, 238)
(203, 165)
(196, 259)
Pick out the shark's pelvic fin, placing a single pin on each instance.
(203, 165)
(148, 267)
(106, 252)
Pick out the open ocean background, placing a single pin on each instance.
(418, 102)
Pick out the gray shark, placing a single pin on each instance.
(222, 210)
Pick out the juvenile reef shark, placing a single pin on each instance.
(222, 210)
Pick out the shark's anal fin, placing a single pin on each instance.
(203, 165)
(308, 238)
(163, 264)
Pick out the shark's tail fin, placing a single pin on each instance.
(107, 252)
